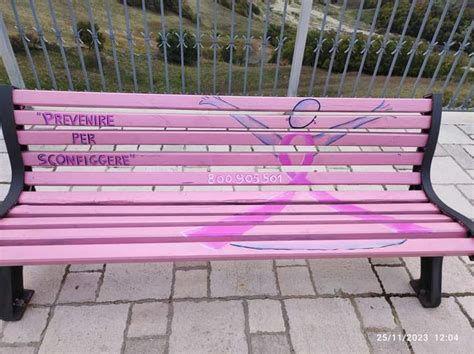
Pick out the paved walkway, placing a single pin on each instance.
(302, 306)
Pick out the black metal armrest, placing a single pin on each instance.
(14, 150)
(426, 169)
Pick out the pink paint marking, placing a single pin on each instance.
(296, 177)
(350, 208)
(258, 216)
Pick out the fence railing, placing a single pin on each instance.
(399, 48)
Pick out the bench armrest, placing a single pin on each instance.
(7, 121)
(426, 167)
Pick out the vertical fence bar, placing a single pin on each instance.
(59, 40)
(414, 47)
(164, 44)
(366, 49)
(281, 42)
(350, 48)
(446, 47)
(231, 48)
(146, 37)
(8, 57)
(398, 48)
(431, 47)
(455, 95)
(131, 46)
(181, 44)
(468, 98)
(42, 40)
(318, 49)
(25, 40)
(77, 40)
(198, 45)
(300, 43)
(96, 42)
(248, 45)
(457, 56)
(382, 48)
(113, 42)
(334, 49)
(264, 45)
(214, 46)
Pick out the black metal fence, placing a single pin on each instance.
(371, 48)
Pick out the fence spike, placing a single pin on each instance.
(447, 45)
(43, 42)
(430, 47)
(336, 43)
(60, 41)
(318, 49)
(248, 45)
(96, 42)
(279, 48)
(264, 45)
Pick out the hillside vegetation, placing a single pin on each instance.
(220, 15)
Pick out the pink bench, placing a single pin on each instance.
(60, 227)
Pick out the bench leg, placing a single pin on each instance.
(428, 287)
(13, 297)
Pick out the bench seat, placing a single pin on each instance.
(238, 225)
(119, 177)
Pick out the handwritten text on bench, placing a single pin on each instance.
(85, 160)
(92, 119)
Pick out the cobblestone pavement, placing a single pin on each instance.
(302, 306)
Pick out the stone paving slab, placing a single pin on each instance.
(324, 325)
(208, 327)
(85, 329)
(444, 329)
(283, 306)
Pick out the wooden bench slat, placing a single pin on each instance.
(209, 120)
(231, 233)
(218, 178)
(249, 209)
(115, 137)
(192, 220)
(67, 254)
(203, 102)
(210, 198)
(61, 158)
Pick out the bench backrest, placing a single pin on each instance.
(296, 135)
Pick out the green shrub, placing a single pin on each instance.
(169, 5)
(371, 57)
(33, 43)
(238, 54)
(433, 19)
(286, 53)
(274, 33)
(84, 29)
(311, 45)
(241, 6)
(17, 44)
(174, 50)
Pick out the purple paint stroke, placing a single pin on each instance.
(319, 139)
(248, 121)
(364, 214)
(342, 245)
(258, 216)
(301, 122)
(322, 139)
